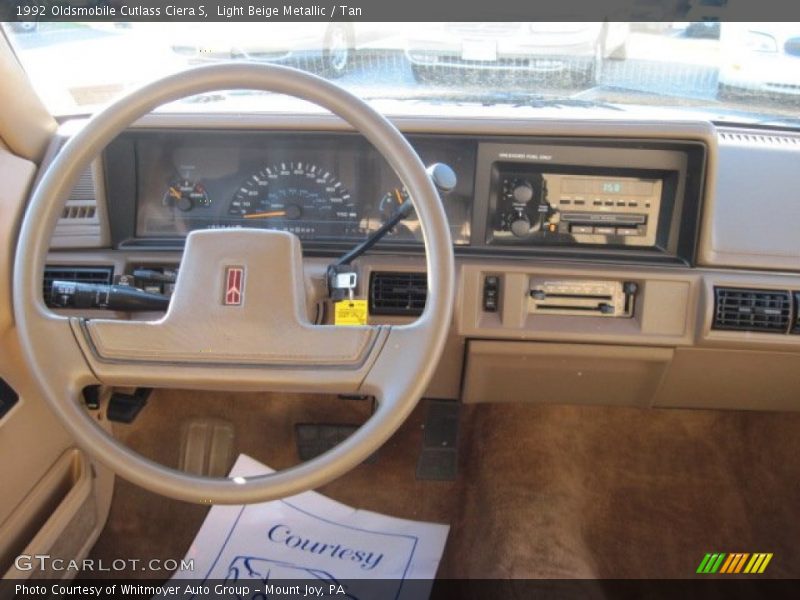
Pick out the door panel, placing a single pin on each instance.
(46, 482)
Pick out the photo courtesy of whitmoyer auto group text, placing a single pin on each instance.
(419, 300)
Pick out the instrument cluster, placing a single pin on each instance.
(323, 188)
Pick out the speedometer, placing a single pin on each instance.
(298, 197)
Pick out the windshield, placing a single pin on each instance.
(739, 72)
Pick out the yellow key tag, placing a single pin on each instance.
(350, 312)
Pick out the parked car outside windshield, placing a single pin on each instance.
(748, 72)
(760, 59)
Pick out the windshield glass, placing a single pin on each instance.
(742, 72)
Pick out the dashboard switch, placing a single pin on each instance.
(605, 231)
(491, 293)
(521, 225)
(627, 231)
(522, 193)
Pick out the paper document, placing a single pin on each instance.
(313, 542)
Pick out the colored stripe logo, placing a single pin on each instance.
(234, 286)
(734, 563)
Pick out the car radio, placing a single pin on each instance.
(589, 195)
(584, 209)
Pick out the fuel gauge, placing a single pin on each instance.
(391, 201)
(185, 195)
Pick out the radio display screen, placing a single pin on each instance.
(596, 185)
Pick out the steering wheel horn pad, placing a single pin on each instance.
(263, 324)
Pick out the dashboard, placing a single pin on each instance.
(637, 199)
(647, 259)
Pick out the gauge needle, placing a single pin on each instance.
(174, 193)
(398, 196)
(266, 215)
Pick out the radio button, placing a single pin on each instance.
(605, 230)
(581, 229)
(628, 231)
(522, 192)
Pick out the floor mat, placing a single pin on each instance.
(311, 538)
(314, 439)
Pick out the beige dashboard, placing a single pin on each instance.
(664, 344)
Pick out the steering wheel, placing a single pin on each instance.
(265, 342)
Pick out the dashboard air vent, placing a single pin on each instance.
(82, 223)
(752, 310)
(84, 274)
(400, 294)
(752, 137)
(82, 203)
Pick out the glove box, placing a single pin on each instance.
(508, 371)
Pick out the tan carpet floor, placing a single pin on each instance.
(543, 491)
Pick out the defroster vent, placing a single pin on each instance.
(399, 294)
(84, 274)
(752, 310)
